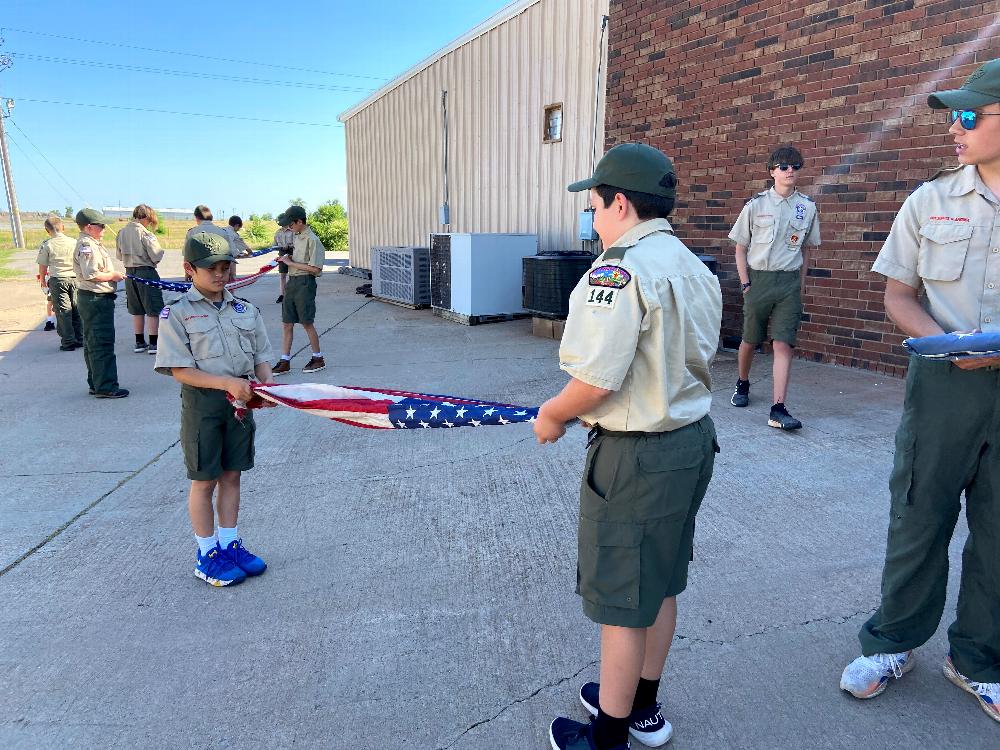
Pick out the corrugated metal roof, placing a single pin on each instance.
(500, 17)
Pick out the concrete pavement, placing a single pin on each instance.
(420, 589)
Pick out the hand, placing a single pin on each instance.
(548, 430)
(239, 389)
(283, 259)
(745, 289)
(976, 363)
(116, 276)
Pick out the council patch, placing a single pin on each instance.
(165, 313)
(614, 277)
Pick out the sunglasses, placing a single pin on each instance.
(786, 167)
(968, 117)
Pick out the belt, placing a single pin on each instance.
(597, 431)
(94, 294)
(137, 268)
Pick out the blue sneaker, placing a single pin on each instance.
(217, 569)
(566, 734)
(243, 559)
(647, 725)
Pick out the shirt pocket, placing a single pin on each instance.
(246, 331)
(205, 340)
(762, 232)
(796, 233)
(942, 252)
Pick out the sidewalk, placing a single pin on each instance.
(420, 588)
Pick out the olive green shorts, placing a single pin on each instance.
(212, 439)
(638, 501)
(142, 299)
(775, 297)
(299, 304)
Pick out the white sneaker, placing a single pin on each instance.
(987, 693)
(868, 676)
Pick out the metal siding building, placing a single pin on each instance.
(502, 176)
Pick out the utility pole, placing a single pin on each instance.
(8, 178)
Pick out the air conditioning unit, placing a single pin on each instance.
(477, 277)
(549, 279)
(402, 275)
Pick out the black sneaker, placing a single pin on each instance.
(49, 326)
(646, 725)
(741, 396)
(67, 347)
(566, 734)
(280, 299)
(120, 393)
(780, 418)
(140, 348)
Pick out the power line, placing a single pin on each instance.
(54, 168)
(186, 114)
(32, 163)
(191, 54)
(190, 74)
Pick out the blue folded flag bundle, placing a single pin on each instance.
(955, 344)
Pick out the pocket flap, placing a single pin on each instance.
(945, 233)
(686, 458)
(199, 325)
(244, 324)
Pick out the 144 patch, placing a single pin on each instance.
(598, 297)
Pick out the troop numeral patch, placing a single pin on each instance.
(602, 297)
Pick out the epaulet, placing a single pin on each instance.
(243, 299)
(946, 170)
(755, 196)
(174, 301)
(807, 197)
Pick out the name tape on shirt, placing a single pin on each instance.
(599, 297)
(614, 277)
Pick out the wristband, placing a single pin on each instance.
(745, 286)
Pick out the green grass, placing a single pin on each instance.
(7, 273)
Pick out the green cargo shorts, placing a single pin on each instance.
(212, 439)
(774, 296)
(299, 304)
(638, 501)
(142, 299)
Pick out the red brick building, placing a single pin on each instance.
(719, 84)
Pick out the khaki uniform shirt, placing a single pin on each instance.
(307, 249)
(236, 243)
(194, 333)
(945, 243)
(284, 238)
(651, 340)
(57, 253)
(137, 246)
(774, 230)
(89, 258)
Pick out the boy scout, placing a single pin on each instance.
(55, 259)
(284, 239)
(213, 343)
(139, 250)
(773, 235)
(942, 267)
(97, 277)
(642, 331)
(299, 299)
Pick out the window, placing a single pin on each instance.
(553, 124)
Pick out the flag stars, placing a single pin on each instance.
(424, 425)
(411, 413)
(434, 412)
(461, 413)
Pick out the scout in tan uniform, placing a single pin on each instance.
(213, 344)
(97, 277)
(773, 235)
(239, 246)
(642, 331)
(305, 265)
(55, 260)
(284, 240)
(942, 267)
(140, 251)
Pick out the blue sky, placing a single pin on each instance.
(64, 154)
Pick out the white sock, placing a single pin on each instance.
(287, 357)
(318, 355)
(206, 543)
(227, 536)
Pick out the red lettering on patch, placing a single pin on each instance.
(949, 218)
(192, 317)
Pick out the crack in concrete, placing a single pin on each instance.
(64, 473)
(833, 619)
(513, 703)
(321, 335)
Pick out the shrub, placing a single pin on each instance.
(256, 231)
(329, 222)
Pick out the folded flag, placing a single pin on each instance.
(387, 409)
(946, 345)
(183, 286)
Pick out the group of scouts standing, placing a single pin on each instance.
(642, 331)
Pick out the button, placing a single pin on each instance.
(990, 286)
(996, 249)
(988, 320)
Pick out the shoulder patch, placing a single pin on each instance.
(165, 313)
(239, 307)
(614, 277)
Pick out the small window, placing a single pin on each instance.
(553, 124)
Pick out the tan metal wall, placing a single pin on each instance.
(503, 178)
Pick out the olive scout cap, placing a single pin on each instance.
(295, 213)
(204, 249)
(633, 166)
(282, 220)
(979, 89)
(87, 216)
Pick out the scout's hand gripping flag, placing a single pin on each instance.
(386, 409)
(183, 286)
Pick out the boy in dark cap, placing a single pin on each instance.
(214, 344)
(642, 331)
(284, 238)
(305, 265)
(942, 267)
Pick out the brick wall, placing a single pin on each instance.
(719, 84)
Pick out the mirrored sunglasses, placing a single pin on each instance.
(786, 167)
(968, 118)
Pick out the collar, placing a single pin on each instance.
(194, 295)
(775, 196)
(640, 231)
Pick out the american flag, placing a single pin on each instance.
(183, 286)
(978, 344)
(385, 409)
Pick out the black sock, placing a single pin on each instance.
(139, 340)
(609, 732)
(152, 339)
(645, 693)
(779, 406)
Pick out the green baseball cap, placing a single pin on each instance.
(87, 216)
(282, 220)
(204, 249)
(979, 89)
(295, 213)
(633, 166)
